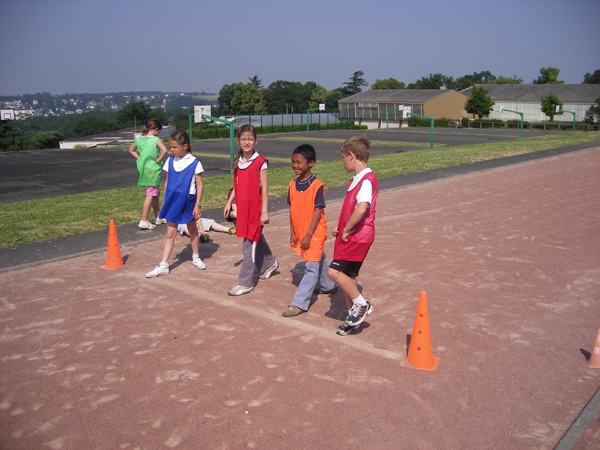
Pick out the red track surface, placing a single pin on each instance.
(510, 261)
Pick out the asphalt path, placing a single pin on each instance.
(48, 173)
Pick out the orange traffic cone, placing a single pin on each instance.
(419, 352)
(113, 252)
(595, 356)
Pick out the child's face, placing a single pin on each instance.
(301, 166)
(348, 159)
(247, 141)
(177, 148)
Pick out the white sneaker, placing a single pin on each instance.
(159, 270)
(158, 221)
(240, 290)
(198, 264)
(145, 225)
(267, 273)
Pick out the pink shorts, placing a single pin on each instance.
(153, 191)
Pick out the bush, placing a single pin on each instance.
(418, 122)
(464, 122)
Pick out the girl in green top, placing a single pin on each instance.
(144, 149)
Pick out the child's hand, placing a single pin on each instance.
(345, 235)
(264, 219)
(226, 211)
(305, 243)
(334, 231)
(293, 241)
(197, 213)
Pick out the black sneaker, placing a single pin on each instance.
(344, 329)
(358, 314)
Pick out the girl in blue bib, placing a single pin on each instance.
(183, 195)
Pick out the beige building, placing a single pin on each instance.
(376, 107)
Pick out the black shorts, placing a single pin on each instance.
(350, 268)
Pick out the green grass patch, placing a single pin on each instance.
(50, 218)
(374, 143)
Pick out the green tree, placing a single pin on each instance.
(89, 125)
(433, 81)
(288, 96)
(354, 86)
(466, 81)
(331, 102)
(548, 75)
(247, 99)
(480, 104)
(549, 103)
(590, 78)
(506, 80)
(133, 114)
(318, 96)
(46, 139)
(11, 140)
(256, 81)
(388, 83)
(592, 115)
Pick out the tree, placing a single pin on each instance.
(466, 81)
(331, 102)
(548, 75)
(590, 78)
(549, 104)
(433, 81)
(88, 125)
(11, 140)
(506, 80)
(319, 95)
(133, 114)
(247, 99)
(289, 96)
(354, 86)
(593, 114)
(46, 139)
(480, 104)
(256, 81)
(388, 83)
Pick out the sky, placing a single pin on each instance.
(91, 46)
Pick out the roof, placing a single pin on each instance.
(572, 93)
(395, 95)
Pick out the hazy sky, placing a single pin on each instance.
(91, 46)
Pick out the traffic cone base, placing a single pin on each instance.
(594, 361)
(113, 252)
(420, 354)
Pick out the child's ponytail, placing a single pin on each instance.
(152, 124)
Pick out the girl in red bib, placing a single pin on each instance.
(250, 191)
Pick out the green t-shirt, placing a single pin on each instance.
(147, 166)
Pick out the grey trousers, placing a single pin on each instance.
(315, 276)
(263, 259)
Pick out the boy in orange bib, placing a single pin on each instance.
(308, 229)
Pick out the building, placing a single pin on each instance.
(376, 106)
(526, 99)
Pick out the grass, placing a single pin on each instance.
(49, 218)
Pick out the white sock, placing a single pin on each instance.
(359, 300)
(162, 263)
(196, 256)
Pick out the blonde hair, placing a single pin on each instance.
(359, 145)
(152, 124)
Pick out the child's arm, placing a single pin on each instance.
(229, 205)
(293, 241)
(199, 189)
(133, 150)
(358, 213)
(264, 189)
(305, 242)
(163, 151)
